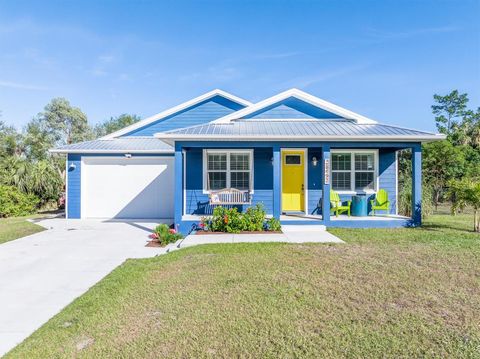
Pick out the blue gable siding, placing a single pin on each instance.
(197, 201)
(74, 185)
(201, 113)
(292, 108)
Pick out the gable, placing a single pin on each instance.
(198, 114)
(291, 108)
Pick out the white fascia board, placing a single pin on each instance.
(109, 151)
(173, 110)
(397, 138)
(301, 95)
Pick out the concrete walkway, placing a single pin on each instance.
(42, 273)
(291, 234)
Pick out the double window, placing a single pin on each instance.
(354, 170)
(227, 169)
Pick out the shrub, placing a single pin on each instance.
(273, 224)
(405, 200)
(466, 192)
(254, 218)
(14, 203)
(165, 235)
(229, 220)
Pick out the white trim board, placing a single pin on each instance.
(175, 109)
(301, 95)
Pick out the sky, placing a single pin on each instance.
(382, 59)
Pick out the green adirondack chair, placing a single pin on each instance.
(381, 201)
(337, 205)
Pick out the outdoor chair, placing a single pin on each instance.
(380, 202)
(337, 205)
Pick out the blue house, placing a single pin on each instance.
(291, 152)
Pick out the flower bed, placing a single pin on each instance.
(229, 220)
(163, 235)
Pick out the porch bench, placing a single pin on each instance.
(230, 196)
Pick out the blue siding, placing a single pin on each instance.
(74, 185)
(201, 113)
(388, 176)
(292, 108)
(197, 201)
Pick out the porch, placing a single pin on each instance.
(261, 171)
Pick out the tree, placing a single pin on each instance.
(37, 140)
(115, 124)
(10, 141)
(66, 124)
(447, 109)
(471, 128)
(442, 162)
(466, 192)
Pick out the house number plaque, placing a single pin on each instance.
(326, 170)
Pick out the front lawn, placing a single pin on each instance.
(387, 293)
(13, 228)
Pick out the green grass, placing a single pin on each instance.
(13, 228)
(387, 293)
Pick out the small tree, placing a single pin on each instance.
(466, 192)
(448, 109)
(442, 162)
(67, 124)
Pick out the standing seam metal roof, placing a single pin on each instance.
(295, 128)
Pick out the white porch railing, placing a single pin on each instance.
(230, 196)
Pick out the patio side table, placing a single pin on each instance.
(359, 206)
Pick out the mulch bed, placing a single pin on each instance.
(154, 244)
(246, 232)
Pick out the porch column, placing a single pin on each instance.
(417, 184)
(326, 183)
(276, 181)
(178, 194)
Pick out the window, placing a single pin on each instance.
(354, 171)
(293, 159)
(228, 169)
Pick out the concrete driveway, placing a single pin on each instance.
(42, 273)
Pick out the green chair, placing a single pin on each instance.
(337, 205)
(380, 202)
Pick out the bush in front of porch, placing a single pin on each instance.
(231, 221)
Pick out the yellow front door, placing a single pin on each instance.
(293, 177)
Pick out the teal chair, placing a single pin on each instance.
(337, 205)
(380, 202)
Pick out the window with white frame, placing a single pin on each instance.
(227, 169)
(354, 170)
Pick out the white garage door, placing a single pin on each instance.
(127, 187)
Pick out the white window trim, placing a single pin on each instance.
(228, 152)
(353, 151)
